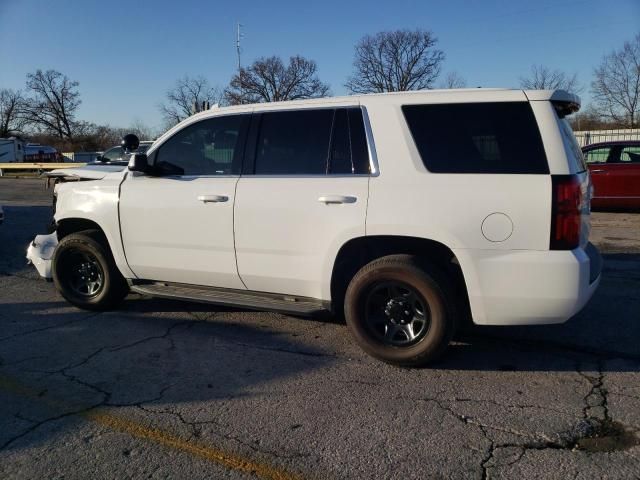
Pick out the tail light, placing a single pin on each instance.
(566, 210)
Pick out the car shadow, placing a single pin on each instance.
(607, 331)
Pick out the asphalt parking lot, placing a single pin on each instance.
(164, 389)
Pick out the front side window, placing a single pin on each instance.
(477, 138)
(209, 147)
(597, 155)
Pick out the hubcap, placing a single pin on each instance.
(396, 314)
(85, 275)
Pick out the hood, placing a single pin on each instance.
(88, 172)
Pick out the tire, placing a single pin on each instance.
(85, 273)
(383, 326)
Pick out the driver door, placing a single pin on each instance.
(179, 227)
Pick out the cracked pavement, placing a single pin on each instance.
(161, 389)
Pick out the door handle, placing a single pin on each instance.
(598, 171)
(329, 199)
(213, 198)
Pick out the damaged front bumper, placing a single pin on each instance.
(40, 252)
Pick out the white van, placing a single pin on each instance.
(406, 212)
(11, 150)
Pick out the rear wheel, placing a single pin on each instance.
(85, 273)
(398, 309)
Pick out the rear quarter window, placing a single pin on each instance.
(477, 138)
(574, 153)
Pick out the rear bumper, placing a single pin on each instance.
(523, 287)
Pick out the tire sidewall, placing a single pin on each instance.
(440, 328)
(86, 244)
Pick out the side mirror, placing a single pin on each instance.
(139, 163)
(99, 158)
(130, 142)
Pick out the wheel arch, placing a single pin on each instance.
(73, 224)
(359, 251)
(67, 226)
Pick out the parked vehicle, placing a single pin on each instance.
(407, 212)
(117, 154)
(615, 172)
(36, 153)
(11, 150)
(1, 215)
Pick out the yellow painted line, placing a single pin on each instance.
(158, 436)
(234, 462)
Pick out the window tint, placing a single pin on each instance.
(477, 138)
(630, 154)
(359, 150)
(294, 142)
(340, 161)
(574, 152)
(209, 147)
(597, 155)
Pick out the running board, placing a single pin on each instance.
(236, 298)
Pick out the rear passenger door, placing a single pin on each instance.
(624, 173)
(302, 195)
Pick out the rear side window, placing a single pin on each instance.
(349, 152)
(294, 142)
(359, 148)
(340, 159)
(477, 138)
(312, 142)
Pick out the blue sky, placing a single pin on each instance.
(126, 54)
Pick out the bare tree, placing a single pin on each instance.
(395, 61)
(54, 102)
(616, 86)
(453, 80)
(141, 129)
(183, 95)
(12, 119)
(543, 78)
(270, 80)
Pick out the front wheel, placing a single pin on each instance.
(398, 310)
(85, 273)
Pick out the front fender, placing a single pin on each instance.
(98, 202)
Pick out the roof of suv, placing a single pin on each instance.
(460, 95)
(468, 94)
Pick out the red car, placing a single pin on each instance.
(615, 173)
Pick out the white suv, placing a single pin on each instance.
(407, 212)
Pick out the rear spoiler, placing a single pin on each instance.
(564, 102)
